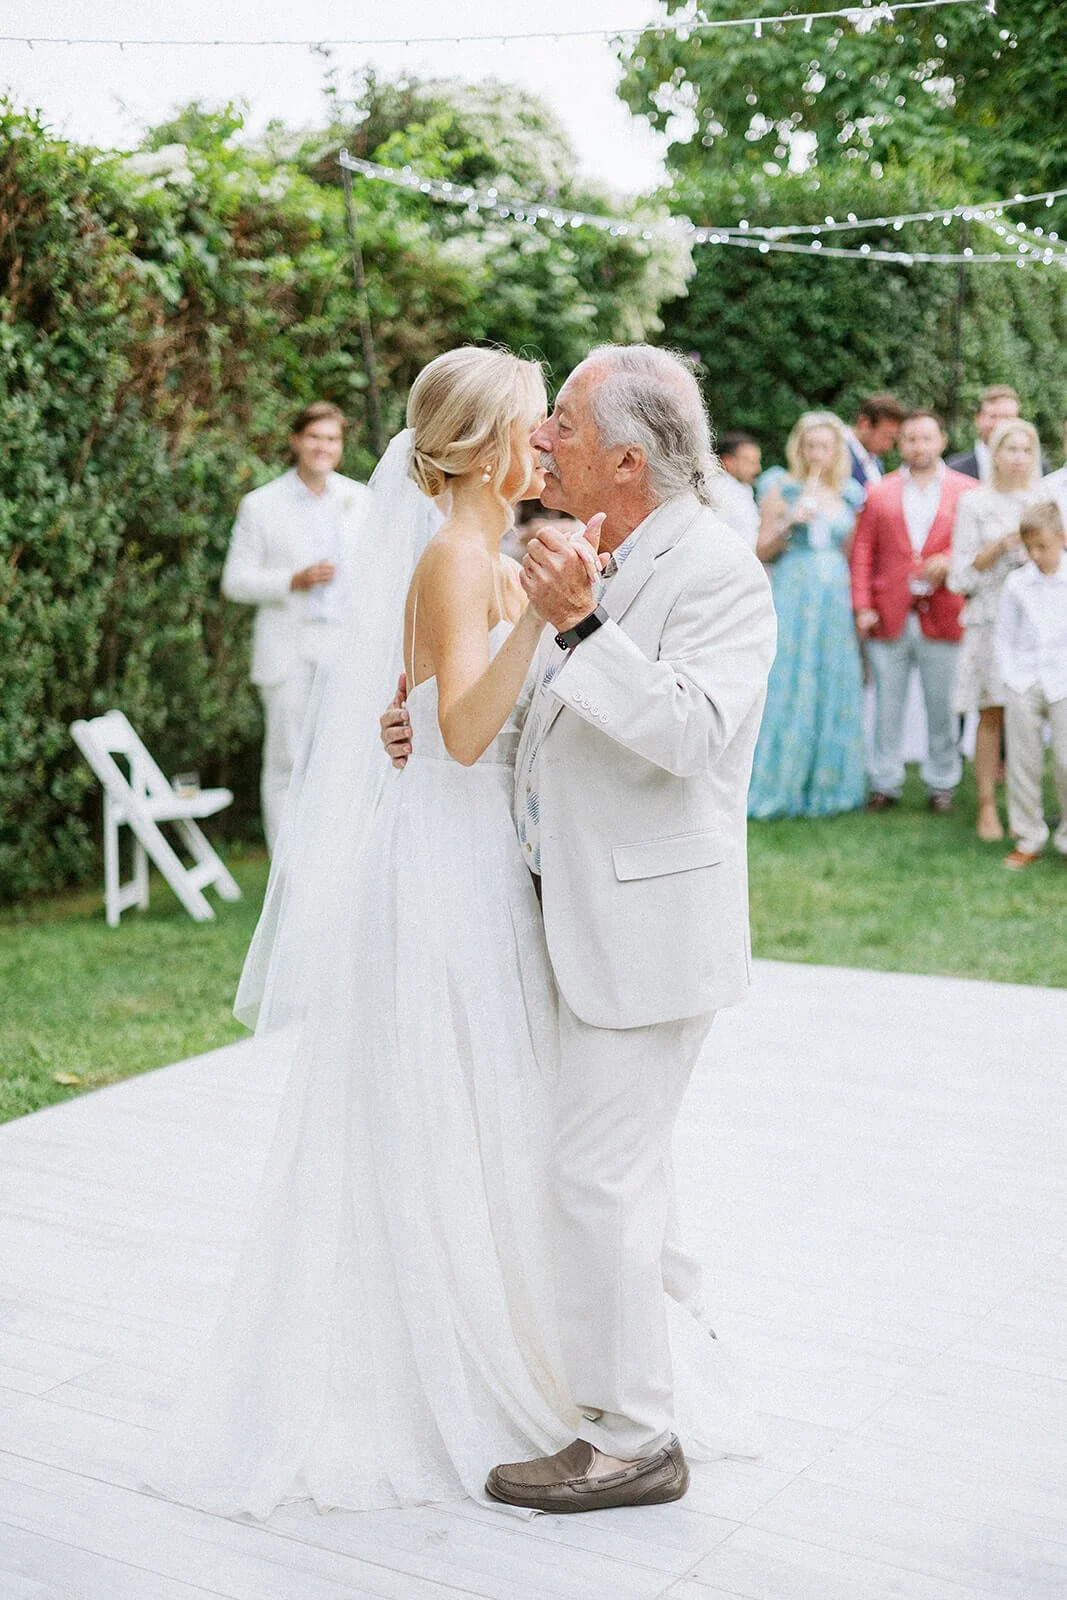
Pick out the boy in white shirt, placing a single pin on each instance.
(1031, 649)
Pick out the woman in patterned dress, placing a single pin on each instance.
(810, 757)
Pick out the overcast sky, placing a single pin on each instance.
(104, 95)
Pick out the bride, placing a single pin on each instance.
(389, 1334)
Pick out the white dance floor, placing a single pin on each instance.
(872, 1167)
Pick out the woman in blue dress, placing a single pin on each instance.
(810, 758)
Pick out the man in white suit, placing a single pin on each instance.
(286, 558)
(631, 786)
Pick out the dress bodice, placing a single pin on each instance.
(427, 743)
(828, 530)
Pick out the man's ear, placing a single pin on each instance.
(631, 464)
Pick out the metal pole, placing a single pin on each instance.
(957, 338)
(366, 333)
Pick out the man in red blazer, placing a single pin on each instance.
(900, 559)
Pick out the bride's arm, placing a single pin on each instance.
(474, 694)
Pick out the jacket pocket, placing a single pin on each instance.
(681, 852)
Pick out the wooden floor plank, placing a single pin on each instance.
(868, 1164)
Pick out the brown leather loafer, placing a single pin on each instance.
(877, 801)
(940, 801)
(1019, 860)
(562, 1482)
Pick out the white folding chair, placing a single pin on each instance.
(141, 802)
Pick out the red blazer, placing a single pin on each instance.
(882, 560)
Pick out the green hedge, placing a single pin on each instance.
(161, 320)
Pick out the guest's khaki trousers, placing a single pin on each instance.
(611, 1205)
(1025, 716)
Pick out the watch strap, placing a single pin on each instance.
(581, 630)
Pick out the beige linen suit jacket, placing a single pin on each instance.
(643, 771)
(266, 548)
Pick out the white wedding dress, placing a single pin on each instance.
(389, 1336)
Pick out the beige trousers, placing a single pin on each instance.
(614, 1252)
(1025, 716)
(284, 709)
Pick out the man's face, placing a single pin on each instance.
(921, 443)
(744, 463)
(877, 437)
(579, 471)
(991, 413)
(318, 449)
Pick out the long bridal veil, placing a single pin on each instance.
(341, 770)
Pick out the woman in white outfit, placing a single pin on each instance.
(985, 548)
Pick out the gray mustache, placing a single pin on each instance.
(548, 463)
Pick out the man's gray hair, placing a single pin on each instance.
(650, 397)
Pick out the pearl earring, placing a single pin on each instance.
(486, 474)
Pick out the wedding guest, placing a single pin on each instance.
(288, 546)
(1054, 484)
(809, 759)
(874, 432)
(999, 404)
(735, 498)
(900, 560)
(1031, 649)
(985, 548)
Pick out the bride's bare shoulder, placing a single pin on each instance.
(451, 566)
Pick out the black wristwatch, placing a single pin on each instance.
(581, 630)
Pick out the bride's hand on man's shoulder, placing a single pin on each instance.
(395, 726)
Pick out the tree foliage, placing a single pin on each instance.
(937, 109)
(162, 317)
(974, 94)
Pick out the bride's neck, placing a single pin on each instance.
(477, 509)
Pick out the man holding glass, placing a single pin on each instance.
(900, 560)
(286, 558)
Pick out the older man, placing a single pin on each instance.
(288, 546)
(631, 783)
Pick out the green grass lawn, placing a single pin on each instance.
(904, 891)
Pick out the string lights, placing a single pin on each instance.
(865, 15)
(1029, 247)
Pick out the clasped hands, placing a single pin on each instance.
(560, 573)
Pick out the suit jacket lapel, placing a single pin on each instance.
(897, 520)
(660, 531)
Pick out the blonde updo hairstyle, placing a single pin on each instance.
(841, 470)
(462, 408)
(999, 437)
